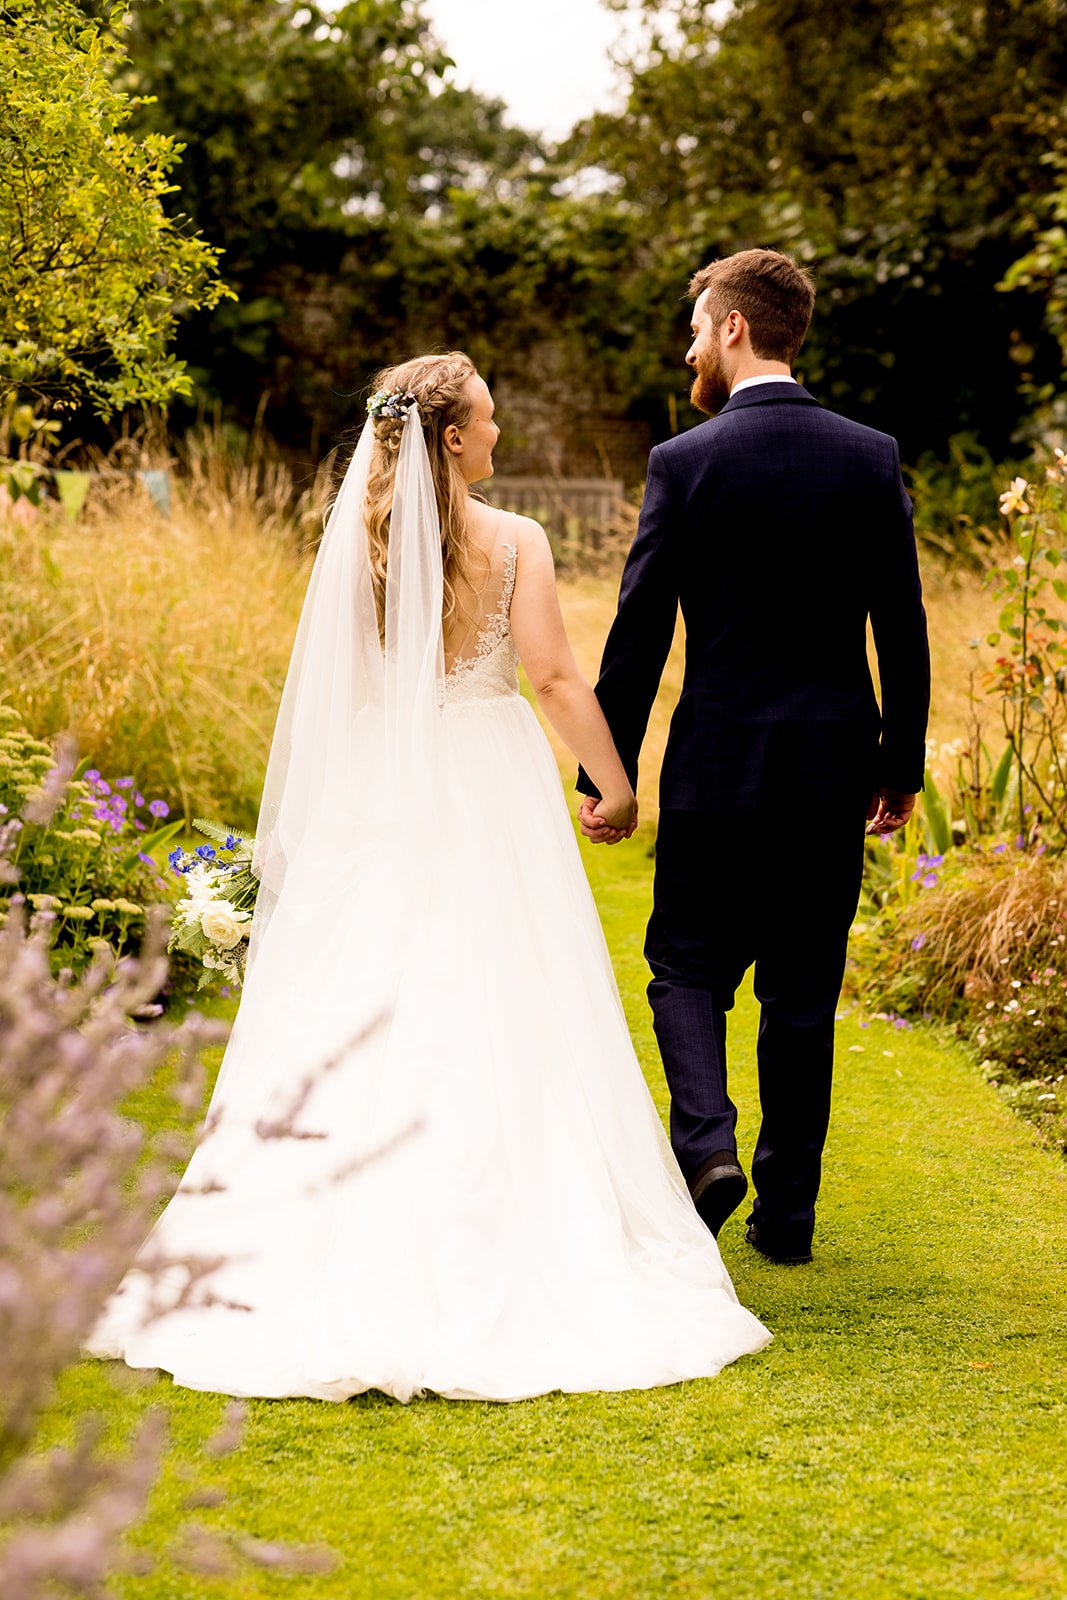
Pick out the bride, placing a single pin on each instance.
(432, 1162)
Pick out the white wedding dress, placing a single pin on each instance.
(486, 1205)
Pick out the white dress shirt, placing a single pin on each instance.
(764, 377)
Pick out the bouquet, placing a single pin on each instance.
(213, 919)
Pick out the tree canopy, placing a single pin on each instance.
(94, 272)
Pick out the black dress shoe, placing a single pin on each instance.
(718, 1189)
(786, 1254)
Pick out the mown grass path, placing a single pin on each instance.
(903, 1437)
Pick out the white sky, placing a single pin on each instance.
(548, 60)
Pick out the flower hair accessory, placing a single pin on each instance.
(397, 404)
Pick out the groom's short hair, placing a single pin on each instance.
(773, 293)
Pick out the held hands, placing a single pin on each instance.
(607, 821)
(888, 811)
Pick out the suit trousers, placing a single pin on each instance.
(733, 889)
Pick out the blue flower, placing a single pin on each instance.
(176, 855)
(205, 852)
(231, 842)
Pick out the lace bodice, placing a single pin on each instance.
(492, 670)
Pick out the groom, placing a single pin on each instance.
(779, 528)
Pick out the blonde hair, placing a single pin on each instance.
(441, 385)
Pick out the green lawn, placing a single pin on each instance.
(902, 1437)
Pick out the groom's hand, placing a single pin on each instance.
(889, 810)
(596, 830)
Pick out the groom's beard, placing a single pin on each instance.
(711, 386)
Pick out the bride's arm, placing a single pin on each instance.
(565, 696)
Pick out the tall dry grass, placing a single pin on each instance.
(162, 642)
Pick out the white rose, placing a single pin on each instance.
(223, 924)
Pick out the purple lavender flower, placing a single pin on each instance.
(159, 808)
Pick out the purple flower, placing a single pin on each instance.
(145, 858)
(102, 787)
(118, 803)
(901, 1022)
(123, 783)
(92, 776)
(930, 880)
(138, 799)
(918, 941)
(159, 808)
(139, 825)
(998, 848)
(1020, 841)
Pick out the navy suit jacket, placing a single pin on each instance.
(779, 527)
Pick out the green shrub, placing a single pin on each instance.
(91, 865)
(979, 942)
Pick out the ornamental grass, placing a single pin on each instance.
(983, 947)
(161, 642)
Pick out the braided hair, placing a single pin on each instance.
(441, 386)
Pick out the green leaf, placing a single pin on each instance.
(152, 841)
(938, 825)
(999, 781)
(219, 832)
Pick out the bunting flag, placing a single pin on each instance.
(72, 488)
(157, 481)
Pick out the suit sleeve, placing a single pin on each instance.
(898, 621)
(640, 639)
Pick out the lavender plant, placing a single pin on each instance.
(79, 1185)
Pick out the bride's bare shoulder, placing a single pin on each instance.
(490, 528)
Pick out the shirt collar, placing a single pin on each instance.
(767, 377)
